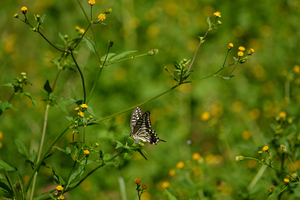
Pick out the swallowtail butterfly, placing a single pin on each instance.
(140, 126)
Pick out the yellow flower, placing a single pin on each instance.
(282, 114)
(251, 50)
(101, 17)
(297, 69)
(217, 14)
(59, 188)
(172, 172)
(265, 148)
(165, 184)
(144, 186)
(81, 31)
(230, 46)
(241, 48)
(24, 10)
(86, 153)
(180, 165)
(61, 197)
(16, 15)
(260, 152)
(219, 22)
(1, 135)
(77, 28)
(92, 2)
(196, 156)
(77, 108)
(137, 180)
(240, 53)
(83, 106)
(205, 116)
(81, 114)
(286, 180)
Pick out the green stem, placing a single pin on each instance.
(201, 41)
(82, 78)
(128, 109)
(92, 171)
(269, 165)
(294, 167)
(36, 168)
(11, 184)
(98, 75)
(132, 57)
(51, 43)
(41, 148)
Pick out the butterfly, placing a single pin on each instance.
(140, 126)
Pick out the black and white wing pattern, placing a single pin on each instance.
(140, 125)
(135, 116)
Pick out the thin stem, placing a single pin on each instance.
(55, 80)
(41, 148)
(269, 165)
(92, 171)
(82, 78)
(11, 184)
(132, 57)
(50, 42)
(81, 37)
(128, 109)
(99, 73)
(294, 168)
(36, 168)
(201, 41)
(11, 97)
(83, 11)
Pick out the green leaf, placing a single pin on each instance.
(4, 105)
(42, 19)
(139, 150)
(90, 44)
(228, 77)
(73, 93)
(69, 118)
(21, 184)
(5, 166)
(47, 87)
(170, 196)
(60, 149)
(208, 22)
(42, 196)
(119, 145)
(22, 148)
(5, 186)
(33, 100)
(171, 74)
(57, 178)
(63, 103)
(68, 150)
(8, 85)
(90, 110)
(77, 173)
(121, 55)
(109, 55)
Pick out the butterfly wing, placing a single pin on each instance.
(135, 116)
(140, 125)
(140, 130)
(148, 121)
(153, 139)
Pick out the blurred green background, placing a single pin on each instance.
(215, 118)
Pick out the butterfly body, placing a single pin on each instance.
(140, 126)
